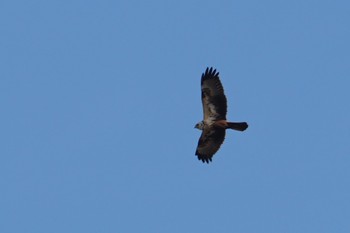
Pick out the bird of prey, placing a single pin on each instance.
(214, 122)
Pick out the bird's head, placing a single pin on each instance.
(199, 125)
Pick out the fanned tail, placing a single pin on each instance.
(240, 126)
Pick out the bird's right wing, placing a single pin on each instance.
(209, 143)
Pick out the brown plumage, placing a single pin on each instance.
(214, 122)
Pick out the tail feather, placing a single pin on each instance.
(240, 126)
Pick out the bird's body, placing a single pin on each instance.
(214, 122)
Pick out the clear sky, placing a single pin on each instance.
(99, 99)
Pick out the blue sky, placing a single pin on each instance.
(99, 100)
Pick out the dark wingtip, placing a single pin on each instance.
(210, 72)
(203, 159)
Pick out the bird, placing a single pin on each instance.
(214, 122)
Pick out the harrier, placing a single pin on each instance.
(214, 122)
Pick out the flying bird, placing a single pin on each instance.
(214, 122)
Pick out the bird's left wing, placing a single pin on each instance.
(213, 96)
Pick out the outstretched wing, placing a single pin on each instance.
(213, 96)
(209, 143)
